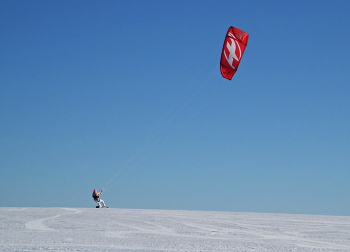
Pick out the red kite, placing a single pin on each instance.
(234, 46)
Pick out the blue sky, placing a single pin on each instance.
(94, 89)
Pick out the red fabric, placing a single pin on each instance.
(233, 49)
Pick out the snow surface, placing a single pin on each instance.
(69, 229)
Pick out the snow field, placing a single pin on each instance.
(68, 229)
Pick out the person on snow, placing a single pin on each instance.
(96, 196)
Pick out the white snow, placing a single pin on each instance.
(68, 229)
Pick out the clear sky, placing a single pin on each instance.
(90, 90)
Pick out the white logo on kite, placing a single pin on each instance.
(232, 49)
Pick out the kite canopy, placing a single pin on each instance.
(234, 46)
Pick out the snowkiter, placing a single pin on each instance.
(96, 196)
